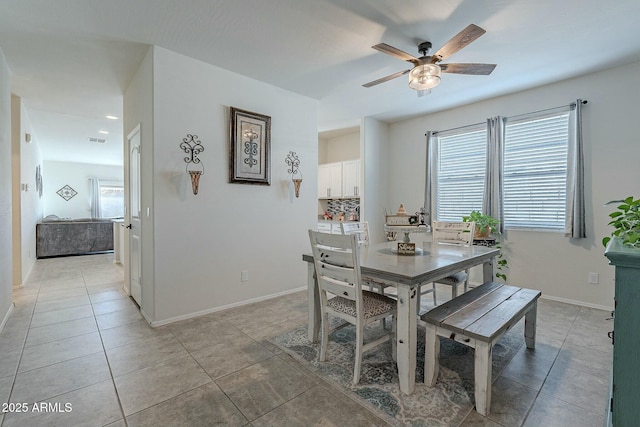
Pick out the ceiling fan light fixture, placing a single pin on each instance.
(424, 77)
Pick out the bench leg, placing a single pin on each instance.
(530, 326)
(431, 356)
(482, 387)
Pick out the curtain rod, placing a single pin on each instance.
(459, 127)
(572, 105)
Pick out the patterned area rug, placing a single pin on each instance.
(446, 404)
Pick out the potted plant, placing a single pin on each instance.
(626, 222)
(486, 225)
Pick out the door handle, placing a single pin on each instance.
(129, 226)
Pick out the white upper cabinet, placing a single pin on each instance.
(351, 178)
(338, 180)
(330, 180)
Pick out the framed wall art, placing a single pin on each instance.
(250, 148)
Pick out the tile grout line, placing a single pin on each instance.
(555, 359)
(104, 350)
(24, 342)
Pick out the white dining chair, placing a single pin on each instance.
(360, 229)
(459, 234)
(337, 264)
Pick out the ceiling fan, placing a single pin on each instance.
(426, 70)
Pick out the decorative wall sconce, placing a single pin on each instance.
(192, 146)
(296, 176)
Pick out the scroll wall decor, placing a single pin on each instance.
(293, 161)
(192, 146)
(250, 148)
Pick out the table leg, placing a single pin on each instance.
(406, 338)
(489, 270)
(314, 303)
(431, 356)
(482, 380)
(530, 326)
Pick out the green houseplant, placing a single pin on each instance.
(486, 225)
(626, 222)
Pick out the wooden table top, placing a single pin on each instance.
(435, 262)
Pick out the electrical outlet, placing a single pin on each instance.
(592, 278)
(244, 276)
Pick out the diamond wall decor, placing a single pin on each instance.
(66, 192)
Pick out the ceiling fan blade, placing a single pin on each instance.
(459, 41)
(386, 79)
(475, 69)
(395, 52)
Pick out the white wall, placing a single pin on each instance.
(138, 110)
(340, 148)
(543, 260)
(375, 175)
(6, 285)
(28, 205)
(56, 175)
(203, 242)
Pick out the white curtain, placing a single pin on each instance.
(95, 198)
(492, 199)
(432, 144)
(575, 219)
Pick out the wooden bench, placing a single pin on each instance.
(479, 318)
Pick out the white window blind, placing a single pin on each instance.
(535, 171)
(460, 173)
(111, 199)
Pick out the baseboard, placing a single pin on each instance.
(6, 316)
(224, 307)
(574, 302)
(146, 317)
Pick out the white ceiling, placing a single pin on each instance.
(72, 59)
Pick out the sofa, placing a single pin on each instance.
(62, 236)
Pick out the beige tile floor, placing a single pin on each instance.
(76, 338)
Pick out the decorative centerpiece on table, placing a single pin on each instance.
(402, 222)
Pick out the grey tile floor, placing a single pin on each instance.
(78, 344)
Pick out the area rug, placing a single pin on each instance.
(446, 404)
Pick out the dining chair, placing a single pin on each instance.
(337, 264)
(360, 229)
(454, 233)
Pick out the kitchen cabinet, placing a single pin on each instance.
(351, 178)
(338, 180)
(329, 227)
(622, 408)
(330, 180)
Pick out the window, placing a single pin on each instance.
(535, 171)
(461, 164)
(111, 199)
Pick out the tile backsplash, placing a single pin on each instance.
(348, 206)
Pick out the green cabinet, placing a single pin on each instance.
(624, 408)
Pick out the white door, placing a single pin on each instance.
(135, 261)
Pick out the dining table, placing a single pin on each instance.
(407, 273)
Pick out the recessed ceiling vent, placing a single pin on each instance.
(98, 140)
